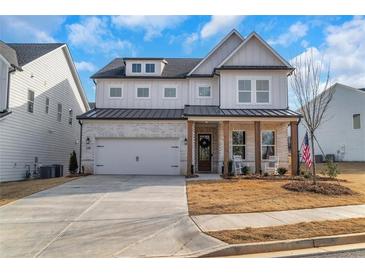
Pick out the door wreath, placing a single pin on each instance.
(204, 142)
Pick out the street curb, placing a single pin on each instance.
(263, 247)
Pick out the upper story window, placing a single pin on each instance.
(115, 92)
(356, 123)
(239, 144)
(59, 112)
(30, 101)
(267, 144)
(70, 116)
(244, 91)
(136, 68)
(143, 92)
(47, 105)
(262, 91)
(204, 91)
(169, 93)
(150, 68)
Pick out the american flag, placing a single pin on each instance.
(306, 154)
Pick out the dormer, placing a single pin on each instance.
(144, 66)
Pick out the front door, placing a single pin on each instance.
(204, 152)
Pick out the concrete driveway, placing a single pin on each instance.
(104, 216)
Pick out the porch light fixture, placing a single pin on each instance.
(87, 140)
(185, 141)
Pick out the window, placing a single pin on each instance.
(70, 113)
(30, 101)
(150, 68)
(47, 105)
(356, 121)
(115, 92)
(204, 91)
(239, 143)
(59, 112)
(267, 144)
(169, 93)
(244, 91)
(262, 91)
(143, 92)
(136, 68)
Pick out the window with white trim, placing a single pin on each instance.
(115, 92)
(136, 68)
(267, 144)
(356, 124)
(30, 101)
(204, 91)
(239, 143)
(169, 93)
(59, 112)
(47, 105)
(143, 92)
(244, 91)
(150, 68)
(262, 91)
(70, 116)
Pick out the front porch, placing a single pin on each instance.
(212, 143)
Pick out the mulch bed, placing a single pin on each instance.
(279, 177)
(324, 188)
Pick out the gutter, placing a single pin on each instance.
(80, 153)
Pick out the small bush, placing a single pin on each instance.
(230, 168)
(282, 170)
(266, 174)
(73, 166)
(331, 169)
(246, 170)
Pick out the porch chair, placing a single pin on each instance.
(272, 165)
(237, 164)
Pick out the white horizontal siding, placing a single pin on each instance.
(25, 135)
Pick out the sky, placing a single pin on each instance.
(95, 40)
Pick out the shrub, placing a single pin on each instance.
(282, 170)
(246, 170)
(331, 169)
(73, 166)
(266, 174)
(230, 168)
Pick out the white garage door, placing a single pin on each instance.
(145, 156)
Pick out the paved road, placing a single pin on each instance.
(341, 254)
(103, 216)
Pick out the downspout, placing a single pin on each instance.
(298, 158)
(8, 89)
(80, 166)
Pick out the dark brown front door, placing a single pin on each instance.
(204, 152)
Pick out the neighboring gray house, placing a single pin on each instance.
(40, 96)
(185, 115)
(342, 132)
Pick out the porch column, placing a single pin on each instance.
(226, 146)
(189, 159)
(257, 147)
(294, 147)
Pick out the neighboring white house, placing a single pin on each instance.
(342, 132)
(40, 96)
(185, 115)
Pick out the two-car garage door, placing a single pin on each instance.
(148, 156)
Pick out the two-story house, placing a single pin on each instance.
(40, 96)
(187, 115)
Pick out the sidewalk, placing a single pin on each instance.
(276, 218)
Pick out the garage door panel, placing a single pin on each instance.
(137, 156)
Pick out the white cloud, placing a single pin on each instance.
(31, 29)
(189, 42)
(304, 44)
(153, 26)
(92, 34)
(295, 32)
(85, 66)
(219, 24)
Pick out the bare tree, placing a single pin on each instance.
(310, 82)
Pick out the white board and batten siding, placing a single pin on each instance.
(25, 135)
(139, 156)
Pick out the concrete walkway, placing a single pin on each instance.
(276, 218)
(104, 216)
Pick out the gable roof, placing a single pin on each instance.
(174, 68)
(233, 32)
(254, 34)
(9, 54)
(28, 52)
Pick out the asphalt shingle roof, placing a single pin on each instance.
(175, 68)
(26, 53)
